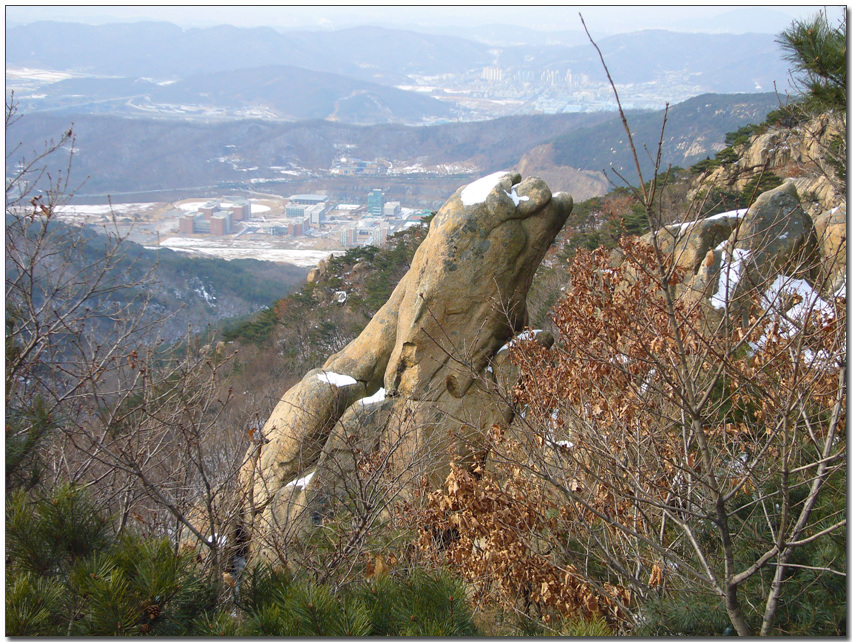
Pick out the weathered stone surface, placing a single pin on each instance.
(779, 239)
(800, 152)
(469, 280)
(690, 242)
(730, 258)
(428, 348)
(830, 229)
(319, 271)
(298, 428)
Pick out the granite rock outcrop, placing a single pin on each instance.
(415, 387)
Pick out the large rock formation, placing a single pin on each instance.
(404, 395)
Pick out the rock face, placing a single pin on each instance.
(730, 258)
(800, 152)
(420, 373)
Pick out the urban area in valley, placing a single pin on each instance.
(300, 230)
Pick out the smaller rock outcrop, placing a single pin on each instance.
(800, 153)
(733, 257)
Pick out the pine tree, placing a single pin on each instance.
(817, 51)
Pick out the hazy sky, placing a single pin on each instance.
(601, 19)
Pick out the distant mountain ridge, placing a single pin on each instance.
(694, 129)
(278, 92)
(723, 62)
(172, 52)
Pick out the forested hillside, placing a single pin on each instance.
(158, 156)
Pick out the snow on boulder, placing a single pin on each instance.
(301, 483)
(479, 190)
(376, 398)
(336, 379)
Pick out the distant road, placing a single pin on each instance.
(149, 191)
(179, 191)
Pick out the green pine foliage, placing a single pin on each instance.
(34, 605)
(816, 49)
(47, 536)
(68, 574)
(26, 429)
(681, 613)
(813, 602)
(420, 604)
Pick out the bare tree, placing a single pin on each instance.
(94, 396)
(680, 437)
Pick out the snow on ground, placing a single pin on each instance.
(732, 214)
(715, 217)
(810, 302)
(82, 214)
(808, 305)
(40, 75)
(479, 190)
(191, 206)
(97, 210)
(246, 250)
(336, 379)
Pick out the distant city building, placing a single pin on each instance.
(391, 209)
(379, 236)
(186, 224)
(356, 167)
(202, 225)
(207, 209)
(220, 224)
(492, 74)
(307, 199)
(240, 210)
(315, 214)
(295, 210)
(348, 237)
(375, 202)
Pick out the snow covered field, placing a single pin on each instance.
(245, 250)
(82, 214)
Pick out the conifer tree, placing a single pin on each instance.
(817, 52)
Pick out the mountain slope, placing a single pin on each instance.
(695, 129)
(181, 290)
(124, 155)
(120, 155)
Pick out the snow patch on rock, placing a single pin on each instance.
(376, 398)
(479, 190)
(336, 379)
